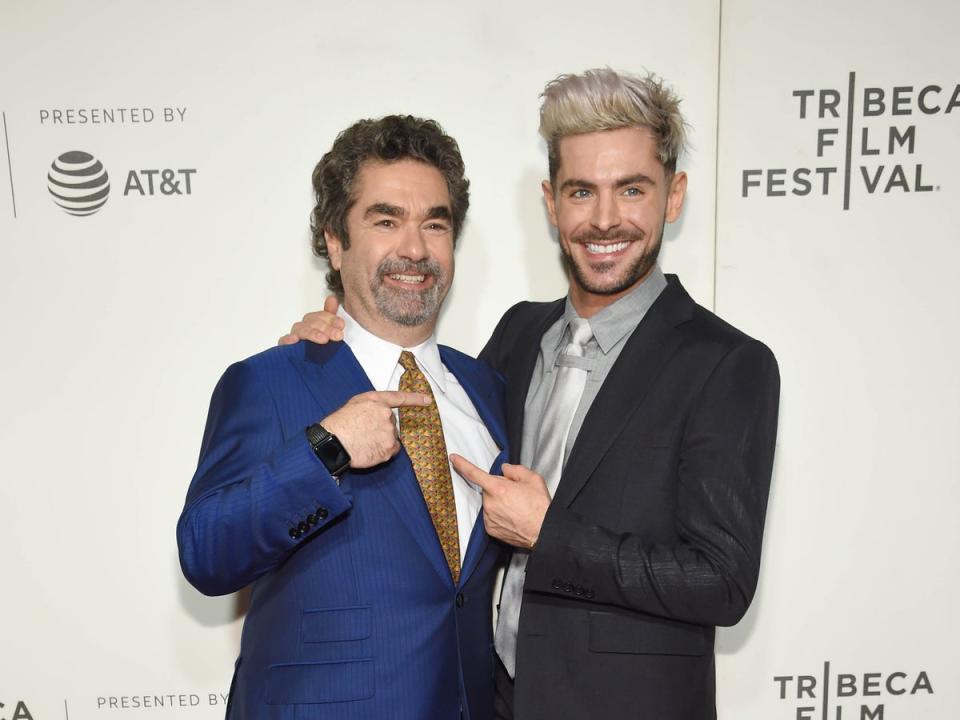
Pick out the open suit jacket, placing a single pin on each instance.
(353, 612)
(653, 535)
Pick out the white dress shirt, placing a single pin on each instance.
(463, 431)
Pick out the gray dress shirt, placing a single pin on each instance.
(611, 328)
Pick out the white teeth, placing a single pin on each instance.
(606, 249)
(408, 278)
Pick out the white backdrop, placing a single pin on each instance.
(861, 307)
(117, 325)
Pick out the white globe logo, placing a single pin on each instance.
(78, 183)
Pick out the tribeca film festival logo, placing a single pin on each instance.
(15, 711)
(852, 696)
(887, 155)
(80, 184)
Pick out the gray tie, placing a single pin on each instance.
(548, 461)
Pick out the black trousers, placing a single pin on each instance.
(503, 697)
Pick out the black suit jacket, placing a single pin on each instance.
(653, 536)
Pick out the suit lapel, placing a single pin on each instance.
(488, 400)
(647, 351)
(333, 376)
(487, 397)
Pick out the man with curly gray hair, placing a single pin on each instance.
(371, 574)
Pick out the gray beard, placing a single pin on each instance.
(410, 308)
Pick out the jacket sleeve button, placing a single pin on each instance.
(322, 513)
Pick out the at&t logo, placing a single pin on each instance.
(78, 183)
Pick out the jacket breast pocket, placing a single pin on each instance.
(615, 633)
(323, 682)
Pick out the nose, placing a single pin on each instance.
(413, 245)
(606, 212)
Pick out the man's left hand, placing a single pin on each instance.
(514, 504)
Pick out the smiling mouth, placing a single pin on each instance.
(605, 248)
(414, 279)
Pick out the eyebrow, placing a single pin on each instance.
(638, 179)
(438, 212)
(382, 208)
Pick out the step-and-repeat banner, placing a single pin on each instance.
(820, 227)
(837, 242)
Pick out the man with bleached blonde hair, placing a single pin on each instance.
(643, 427)
(606, 100)
(649, 425)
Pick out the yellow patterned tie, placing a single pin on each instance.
(422, 435)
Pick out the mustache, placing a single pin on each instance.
(618, 235)
(427, 266)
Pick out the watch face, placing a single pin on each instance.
(328, 449)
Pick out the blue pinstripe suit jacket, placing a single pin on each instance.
(358, 617)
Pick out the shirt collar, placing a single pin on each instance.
(611, 324)
(379, 358)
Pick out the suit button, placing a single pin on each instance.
(294, 533)
(579, 592)
(303, 527)
(312, 519)
(322, 513)
(556, 585)
(588, 594)
(568, 587)
(460, 599)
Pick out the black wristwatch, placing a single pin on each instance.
(329, 449)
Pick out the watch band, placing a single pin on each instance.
(328, 449)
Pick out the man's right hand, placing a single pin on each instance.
(367, 427)
(321, 327)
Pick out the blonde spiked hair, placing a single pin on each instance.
(603, 99)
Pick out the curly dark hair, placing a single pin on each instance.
(391, 138)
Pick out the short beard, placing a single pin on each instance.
(410, 308)
(631, 276)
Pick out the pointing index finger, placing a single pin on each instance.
(471, 472)
(399, 398)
